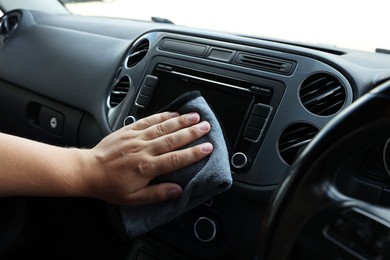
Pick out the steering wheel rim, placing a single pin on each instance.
(309, 192)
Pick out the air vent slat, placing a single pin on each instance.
(294, 138)
(265, 63)
(137, 53)
(321, 97)
(119, 92)
(322, 94)
(331, 108)
(320, 89)
(262, 62)
(294, 146)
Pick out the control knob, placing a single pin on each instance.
(129, 120)
(239, 160)
(205, 229)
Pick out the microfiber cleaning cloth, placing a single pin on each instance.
(200, 181)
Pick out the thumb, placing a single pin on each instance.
(154, 193)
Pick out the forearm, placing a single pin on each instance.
(29, 168)
(118, 169)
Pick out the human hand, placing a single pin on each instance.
(121, 166)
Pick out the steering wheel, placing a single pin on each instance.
(309, 216)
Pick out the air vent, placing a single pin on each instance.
(8, 23)
(322, 94)
(294, 139)
(265, 63)
(137, 53)
(119, 92)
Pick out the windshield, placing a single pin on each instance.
(360, 25)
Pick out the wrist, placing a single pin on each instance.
(88, 174)
(82, 173)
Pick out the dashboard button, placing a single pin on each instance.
(146, 92)
(256, 121)
(142, 101)
(252, 133)
(151, 81)
(261, 110)
(265, 92)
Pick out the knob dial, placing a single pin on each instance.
(129, 120)
(239, 160)
(205, 229)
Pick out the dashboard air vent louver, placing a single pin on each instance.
(294, 138)
(137, 53)
(322, 94)
(265, 63)
(119, 92)
(8, 23)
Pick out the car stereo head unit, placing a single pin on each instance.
(243, 108)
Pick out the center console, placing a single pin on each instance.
(244, 108)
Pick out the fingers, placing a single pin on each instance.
(159, 138)
(178, 139)
(163, 124)
(172, 161)
(152, 120)
(154, 193)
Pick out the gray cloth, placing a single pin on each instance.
(200, 181)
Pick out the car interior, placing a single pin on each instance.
(306, 126)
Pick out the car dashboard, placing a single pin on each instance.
(70, 80)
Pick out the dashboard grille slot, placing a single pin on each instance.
(265, 63)
(294, 139)
(119, 92)
(322, 94)
(138, 53)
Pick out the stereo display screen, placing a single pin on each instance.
(229, 104)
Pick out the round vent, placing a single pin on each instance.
(8, 23)
(294, 138)
(119, 92)
(322, 94)
(137, 53)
